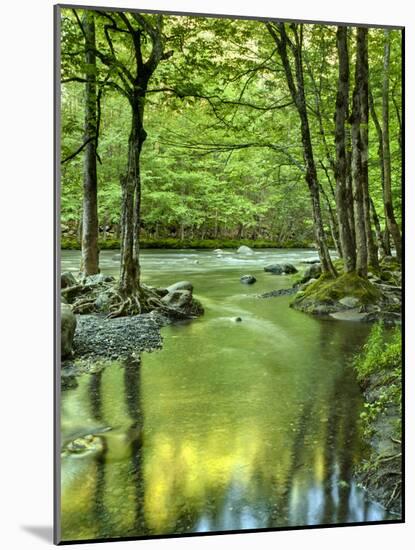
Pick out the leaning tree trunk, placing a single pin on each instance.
(379, 235)
(363, 63)
(90, 253)
(387, 198)
(342, 198)
(298, 96)
(383, 238)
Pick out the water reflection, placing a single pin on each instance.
(230, 426)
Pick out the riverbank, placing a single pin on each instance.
(379, 372)
(72, 243)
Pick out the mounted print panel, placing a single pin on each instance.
(229, 273)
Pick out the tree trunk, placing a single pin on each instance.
(385, 235)
(387, 198)
(379, 235)
(334, 230)
(357, 172)
(89, 246)
(298, 96)
(342, 198)
(372, 251)
(130, 204)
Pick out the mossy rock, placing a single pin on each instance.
(322, 297)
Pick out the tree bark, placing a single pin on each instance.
(131, 202)
(357, 146)
(379, 234)
(298, 96)
(342, 198)
(89, 246)
(383, 237)
(372, 251)
(387, 197)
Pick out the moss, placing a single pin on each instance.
(379, 369)
(328, 290)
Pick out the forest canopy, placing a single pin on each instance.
(204, 130)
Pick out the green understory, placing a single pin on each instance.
(68, 243)
(379, 371)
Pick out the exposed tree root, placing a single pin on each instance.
(106, 297)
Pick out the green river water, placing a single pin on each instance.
(231, 425)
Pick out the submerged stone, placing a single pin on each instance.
(280, 269)
(248, 279)
(245, 250)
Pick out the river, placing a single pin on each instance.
(232, 425)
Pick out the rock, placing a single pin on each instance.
(67, 279)
(245, 250)
(310, 262)
(307, 283)
(99, 278)
(238, 319)
(280, 292)
(312, 272)
(289, 268)
(248, 279)
(349, 315)
(274, 268)
(68, 326)
(218, 251)
(161, 291)
(279, 269)
(88, 443)
(102, 302)
(350, 302)
(181, 285)
(178, 299)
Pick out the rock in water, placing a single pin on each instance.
(181, 285)
(67, 279)
(248, 279)
(350, 315)
(68, 326)
(350, 302)
(280, 269)
(245, 250)
(218, 251)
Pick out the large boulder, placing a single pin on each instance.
(181, 285)
(184, 302)
(280, 269)
(312, 272)
(67, 279)
(245, 250)
(350, 302)
(248, 279)
(68, 326)
(178, 299)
